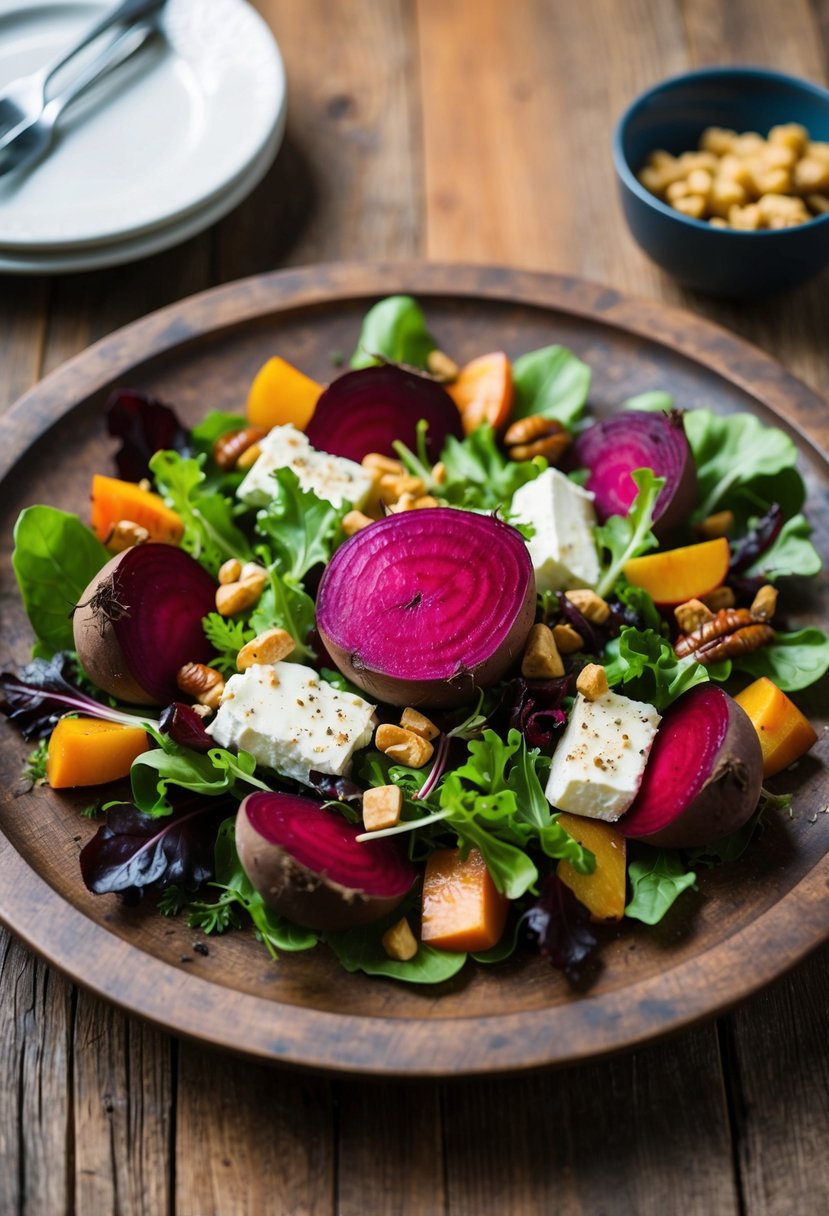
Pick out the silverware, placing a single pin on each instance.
(28, 115)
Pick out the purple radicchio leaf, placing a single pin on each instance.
(592, 636)
(335, 789)
(561, 924)
(145, 426)
(534, 707)
(754, 544)
(42, 693)
(133, 852)
(185, 727)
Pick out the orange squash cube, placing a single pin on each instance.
(114, 500)
(678, 575)
(463, 910)
(89, 751)
(785, 734)
(602, 892)
(280, 395)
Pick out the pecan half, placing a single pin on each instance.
(731, 632)
(229, 447)
(722, 623)
(742, 641)
(536, 436)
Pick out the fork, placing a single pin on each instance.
(23, 101)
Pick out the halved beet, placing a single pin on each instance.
(139, 620)
(703, 776)
(613, 449)
(425, 607)
(307, 864)
(366, 410)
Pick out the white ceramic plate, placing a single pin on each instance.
(178, 128)
(98, 257)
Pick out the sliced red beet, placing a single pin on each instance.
(613, 449)
(703, 776)
(307, 864)
(425, 607)
(139, 621)
(366, 410)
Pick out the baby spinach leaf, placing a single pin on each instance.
(622, 537)
(792, 661)
(552, 382)
(211, 774)
(210, 531)
(657, 880)
(731, 452)
(791, 553)
(654, 399)
(362, 950)
(395, 329)
(55, 558)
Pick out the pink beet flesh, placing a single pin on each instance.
(421, 600)
(323, 842)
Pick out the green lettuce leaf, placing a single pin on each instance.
(644, 662)
(656, 881)
(622, 537)
(395, 329)
(55, 558)
(552, 382)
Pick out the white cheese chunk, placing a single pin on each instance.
(291, 720)
(563, 550)
(330, 477)
(598, 765)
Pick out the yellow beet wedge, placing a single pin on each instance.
(677, 575)
(603, 891)
(785, 735)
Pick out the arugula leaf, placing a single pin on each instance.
(478, 476)
(362, 950)
(792, 661)
(301, 529)
(55, 559)
(657, 880)
(210, 532)
(395, 329)
(285, 605)
(227, 637)
(218, 772)
(551, 382)
(625, 536)
(731, 452)
(654, 399)
(791, 553)
(645, 663)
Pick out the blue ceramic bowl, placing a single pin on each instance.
(673, 115)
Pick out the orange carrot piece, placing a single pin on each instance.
(603, 891)
(462, 908)
(281, 394)
(89, 751)
(677, 575)
(114, 500)
(484, 391)
(785, 734)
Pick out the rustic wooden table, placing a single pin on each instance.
(452, 130)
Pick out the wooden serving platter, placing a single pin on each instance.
(747, 923)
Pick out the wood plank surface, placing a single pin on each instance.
(456, 130)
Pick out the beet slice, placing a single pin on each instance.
(425, 607)
(636, 439)
(366, 410)
(307, 864)
(139, 620)
(703, 776)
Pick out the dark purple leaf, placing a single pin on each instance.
(593, 639)
(562, 926)
(145, 426)
(42, 693)
(184, 726)
(745, 552)
(535, 707)
(335, 789)
(134, 851)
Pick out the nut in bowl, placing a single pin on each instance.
(708, 247)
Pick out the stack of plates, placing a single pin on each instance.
(164, 148)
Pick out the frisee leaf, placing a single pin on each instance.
(657, 880)
(55, 558)
(227, 637)
(622, 537)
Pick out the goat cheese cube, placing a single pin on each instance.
(599, 763)
(333, 478)
(563, 550)
(291, 720)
